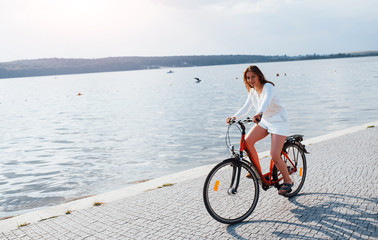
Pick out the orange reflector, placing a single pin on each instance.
(216, 185)
(300, 172)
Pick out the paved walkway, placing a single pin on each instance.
(338, 201)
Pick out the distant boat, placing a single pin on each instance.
(197, 80)
(170, 71)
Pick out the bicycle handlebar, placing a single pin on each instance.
(247, 120)
(233, 121)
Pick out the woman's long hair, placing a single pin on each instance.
(256, 71)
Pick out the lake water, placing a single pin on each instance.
(57, 145)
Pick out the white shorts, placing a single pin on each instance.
(280, 128)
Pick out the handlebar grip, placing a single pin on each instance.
(259, 120)
(232, 120)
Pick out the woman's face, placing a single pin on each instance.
(252, 79)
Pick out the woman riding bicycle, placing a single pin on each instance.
(270, 117)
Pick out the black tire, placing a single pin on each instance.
(297, 167)
(224, 206)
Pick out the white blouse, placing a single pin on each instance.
(267, 103)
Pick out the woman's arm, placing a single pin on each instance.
(267, 98)
(246, 108)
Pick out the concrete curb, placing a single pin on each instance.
(35, 216)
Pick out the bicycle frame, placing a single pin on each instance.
(266, 178)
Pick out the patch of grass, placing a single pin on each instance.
(5, 218)
(167, 185)
(23, 225)
(98, 203)
(44, 219)
(162, 186)
(371, 126)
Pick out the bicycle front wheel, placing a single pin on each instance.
(226, 202)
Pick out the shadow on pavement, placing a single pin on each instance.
(318, 216)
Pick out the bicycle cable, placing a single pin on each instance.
(227, 138)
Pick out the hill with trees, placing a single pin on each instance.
(59, 66)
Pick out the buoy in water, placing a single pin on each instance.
(79, 94)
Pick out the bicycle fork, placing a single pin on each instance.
(235, 179)
(237, 166)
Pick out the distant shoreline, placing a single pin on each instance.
(62, 66)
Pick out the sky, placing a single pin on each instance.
(33, 29)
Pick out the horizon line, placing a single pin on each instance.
(195, 55)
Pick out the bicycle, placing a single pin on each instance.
(230, 197)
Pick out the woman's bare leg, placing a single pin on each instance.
(254, 135)
(276, 145)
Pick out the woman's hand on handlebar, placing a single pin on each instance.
(257, 118)
(228, 120)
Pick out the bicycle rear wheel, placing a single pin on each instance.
(221, 201)
(295, 160)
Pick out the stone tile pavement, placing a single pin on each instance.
(338, 201)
